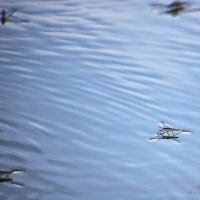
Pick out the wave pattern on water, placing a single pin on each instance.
(83, 86)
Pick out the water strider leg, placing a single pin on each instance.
(177, 133)
(154, 138)
(168, 133)
(157, 5)
(176, 140)
(160, 132)
(17, 183)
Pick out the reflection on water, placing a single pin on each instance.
(81, 89)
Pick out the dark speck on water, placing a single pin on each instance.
(175, 8)
(8, 16)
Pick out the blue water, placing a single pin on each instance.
(83, 86)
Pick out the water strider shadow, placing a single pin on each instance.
(175, 8)
(8, 16)
(168, 133)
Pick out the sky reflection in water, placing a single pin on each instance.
(84, 86)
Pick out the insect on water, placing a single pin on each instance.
(168, 133)
(5, 177)
(175, 8)
(8, 15)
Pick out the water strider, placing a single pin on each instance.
(168, 133)
(172, 5)
(5, 176)
(8, 15)
(175, 8)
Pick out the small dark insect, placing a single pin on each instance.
(5, 177)
(175, 4)
(175, 8)
(167, 133)
(8, 15)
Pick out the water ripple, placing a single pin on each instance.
(82, 88)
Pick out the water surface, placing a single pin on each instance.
(83, 87)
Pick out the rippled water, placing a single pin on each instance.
(83, 87)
